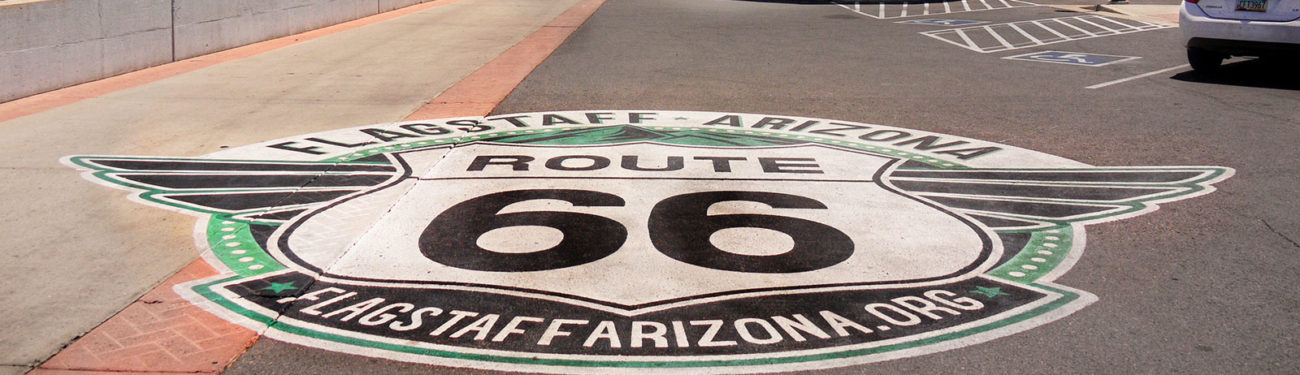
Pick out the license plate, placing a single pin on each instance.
(1252, 5)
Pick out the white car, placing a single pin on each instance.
(1216, 29)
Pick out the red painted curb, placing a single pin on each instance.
(480, 92)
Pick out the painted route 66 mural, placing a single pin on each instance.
(599, 241)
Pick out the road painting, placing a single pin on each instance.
(891, 10)
(941, 22)
(591, 241)
(1026, 34)
(1072, 58)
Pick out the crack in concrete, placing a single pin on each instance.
(1288, 239)
(279, 315)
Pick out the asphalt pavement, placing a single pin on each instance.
(1201, 286)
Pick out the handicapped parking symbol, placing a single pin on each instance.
(948, 22)
(1077, 58)
(941, 22)
(1072, 58)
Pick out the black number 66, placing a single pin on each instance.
(679, 227)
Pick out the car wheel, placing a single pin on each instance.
(1204, 61)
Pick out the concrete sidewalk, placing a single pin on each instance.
(1157, 13)
(77, 253)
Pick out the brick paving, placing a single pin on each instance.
(160, 332)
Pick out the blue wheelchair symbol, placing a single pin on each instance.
(940, 22)
(1072, 58)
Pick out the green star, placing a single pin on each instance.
(989, 292)
(280, 287)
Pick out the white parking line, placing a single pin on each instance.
(1025, 34)
(902, 10)
(964, 37)
(1058, 20)
(1058, 34)
(1116, 21)
(999, 38)
(1139, 76)
(1100, 26)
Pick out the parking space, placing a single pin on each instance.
(1014, 30)
(1072, 58)
(890, 9)
(1034, 33)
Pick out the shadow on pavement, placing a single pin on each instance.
(1262, 73)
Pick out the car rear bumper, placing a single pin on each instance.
(1245, 48)
(1238, 37)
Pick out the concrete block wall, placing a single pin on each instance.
(387, 5)
(45, 45)
(50, 44)
(206, 26)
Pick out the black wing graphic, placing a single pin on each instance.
(264, 191)
(1026, 199)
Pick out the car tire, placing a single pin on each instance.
(1204, 61)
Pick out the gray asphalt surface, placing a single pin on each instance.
(1200, 286)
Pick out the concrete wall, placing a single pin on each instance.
(51, 44)
(387, 5)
